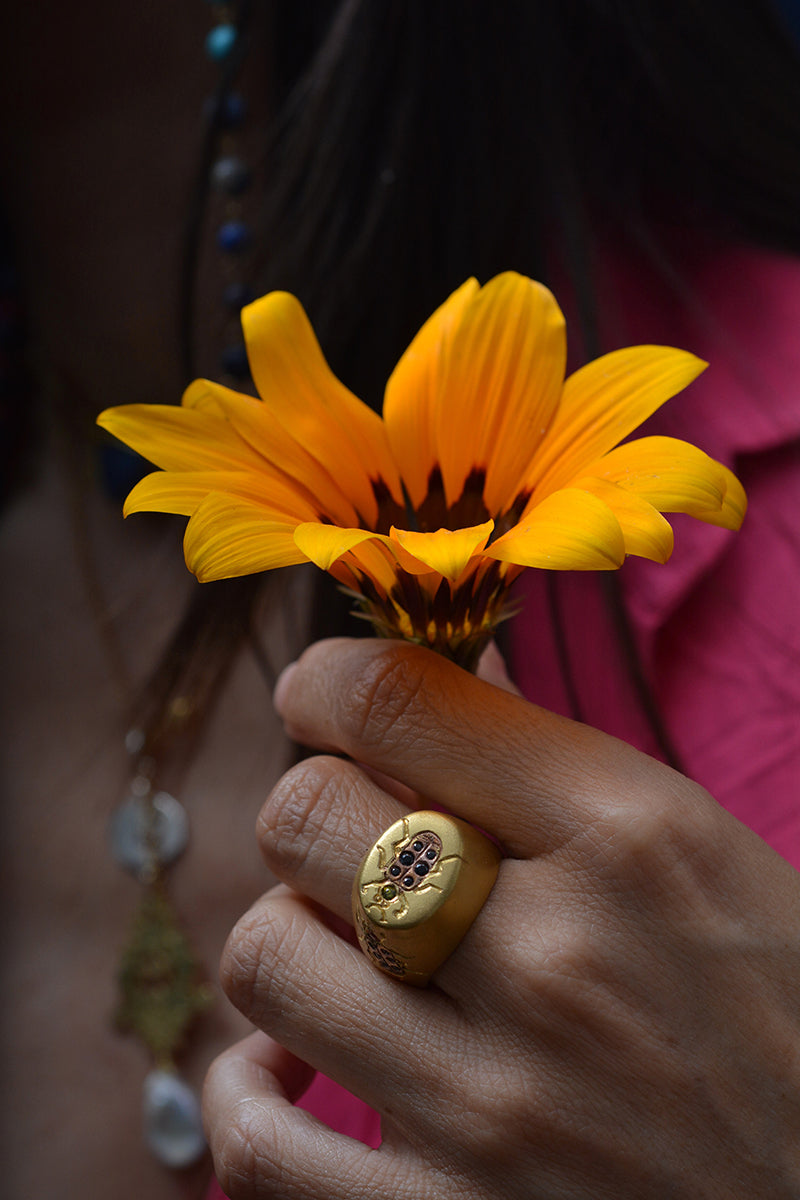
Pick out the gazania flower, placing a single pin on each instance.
(486, 461)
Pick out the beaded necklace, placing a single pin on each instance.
(161, 987)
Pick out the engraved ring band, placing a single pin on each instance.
(418, 890)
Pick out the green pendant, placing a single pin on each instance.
(161, 992)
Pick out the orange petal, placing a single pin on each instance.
(734, 503)
(647, 534)
(179, 439)
(602, 403)
(301, 393)
(673, 475)
(275, 446)
(571, 530)
(375, 561)
(228, 537)
(445, 551)
(324, 544)
(413, 391)
(676, 476)
(505, 371)
(183, 492)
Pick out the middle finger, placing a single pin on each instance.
(314, 830)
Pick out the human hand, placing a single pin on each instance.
(622, 1020)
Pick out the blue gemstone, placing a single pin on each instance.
(234, 362)
(233, 237)
(236, 295)
(230, 175)
(421, 868)
(220, 41)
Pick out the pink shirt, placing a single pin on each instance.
(718, 628)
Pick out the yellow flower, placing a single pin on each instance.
(486, 461)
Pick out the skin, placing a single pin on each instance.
(621, 1020)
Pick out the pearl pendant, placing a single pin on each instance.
(148, 830)
(173, 1128)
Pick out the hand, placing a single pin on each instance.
(622, 1020)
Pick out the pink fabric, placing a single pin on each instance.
(718, 629)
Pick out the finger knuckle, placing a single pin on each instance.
(664, 844)
(243, 1165)
(559, 968)
(301, 808)
(501, 1112)
(256, 968)
(240, 966)
(383, 705)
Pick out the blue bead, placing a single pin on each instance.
(230, 175)
(232, 110)
(236, 295)
(233, 237)
(220, 41)
(228, 111)
(234, 362)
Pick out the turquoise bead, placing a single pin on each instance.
(220, 41)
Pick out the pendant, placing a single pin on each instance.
(148, 830)
(173, 1127)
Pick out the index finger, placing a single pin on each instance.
(530, 777)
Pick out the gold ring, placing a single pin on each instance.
(418, 890)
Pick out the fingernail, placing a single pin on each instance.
(282, 686)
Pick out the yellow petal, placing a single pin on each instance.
(605, 401)
(373, 560)
(228, 537)
(301, 393)
(275, 446)
(183, 492)
(445, 551)
(324, 544)
(179, 439)
(505, 371)
(673, 475)
(647, 534)
(571, 530)
(734, 503)
(409, 406)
